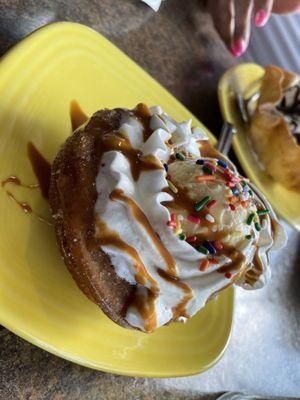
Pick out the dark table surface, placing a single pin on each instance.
(179, 47)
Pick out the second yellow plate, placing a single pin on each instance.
(38, 299)
(241, 78)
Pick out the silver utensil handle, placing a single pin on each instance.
(225, 139)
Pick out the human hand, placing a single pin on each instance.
(232, 18)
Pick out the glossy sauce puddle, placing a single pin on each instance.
(41, 168)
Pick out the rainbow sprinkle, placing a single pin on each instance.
(250, 219)
(217, 244)
(191, 239)
(202, 203)
(204, 265)
(207, 170)
(248, 237)
(193, 219)
(180, 156)
(228, 275)
(209, 218)
(172, 187)
(222, 164)
(263, 212)
(232, 207)
(257, 226)
(209, 247)
(230, 184)
(211, 204)
(171, 224)
(202, 250)
(200, 162)
(233, 199)
(166, 167)
(182, 236)
(204, 178)
(211, 166)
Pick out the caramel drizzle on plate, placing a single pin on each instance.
(22, 204)
(77, 115)
(41, 168)
(17, 181)
(26, 208)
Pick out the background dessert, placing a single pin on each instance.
(152, 221)
(275, 126)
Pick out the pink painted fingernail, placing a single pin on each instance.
(238, 48)
(260, 18)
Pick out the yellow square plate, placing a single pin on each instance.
(38, 299)
(242, 78)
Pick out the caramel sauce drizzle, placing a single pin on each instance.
(41, 168)
(138, 162)
(118, 195)
(143, 114)
(146, 308)
(252, 275)
(180, 309)
(237, 259)
(24, 206)
(77, 115)
(181, 200)
(108, 237)
(16, 181)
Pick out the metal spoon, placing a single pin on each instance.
(225, 140)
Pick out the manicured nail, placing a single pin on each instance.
(238, 48)
(260, 18)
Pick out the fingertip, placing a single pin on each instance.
(238, 48)
(261, 18)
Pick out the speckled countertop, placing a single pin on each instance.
(178, 47)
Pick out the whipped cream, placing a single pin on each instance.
(153, 256)
(155, 4)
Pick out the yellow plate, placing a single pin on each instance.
(243, 78)
(38, 299)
